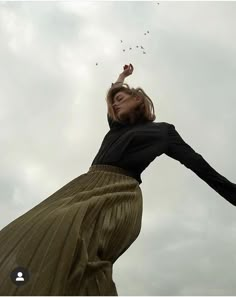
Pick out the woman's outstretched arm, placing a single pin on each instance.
(179, 150)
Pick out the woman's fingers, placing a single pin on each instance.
(131, 68)
(128, 69)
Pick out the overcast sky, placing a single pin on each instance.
(53, 120)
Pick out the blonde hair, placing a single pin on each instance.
(145, 112)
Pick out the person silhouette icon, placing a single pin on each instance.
(20, 278)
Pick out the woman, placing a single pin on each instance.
(67, 244)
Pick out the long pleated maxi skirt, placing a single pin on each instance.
(69, 242)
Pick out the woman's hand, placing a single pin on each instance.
(128, 70)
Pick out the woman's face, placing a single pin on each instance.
(123, 104)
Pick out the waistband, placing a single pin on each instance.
(109, 168)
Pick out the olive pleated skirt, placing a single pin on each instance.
(69, 242)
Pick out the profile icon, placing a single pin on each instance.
(20, 276)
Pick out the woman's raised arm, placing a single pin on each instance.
(128, 70)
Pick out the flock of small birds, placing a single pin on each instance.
(136, 45)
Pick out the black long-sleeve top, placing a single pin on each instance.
(134, 146)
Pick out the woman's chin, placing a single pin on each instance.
(122, 116)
